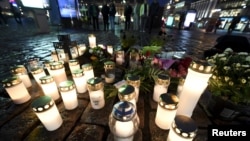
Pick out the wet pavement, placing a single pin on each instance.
(18, 43)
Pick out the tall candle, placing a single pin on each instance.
(37, 74)
(49, 87)
(134, 80)
(58, 72)
(47, 112)
(161, 86)
(96, 93)
(16, 89)
(68, 93)
(80, 81)
(127, 93)
(73, 65)
(92, 41)
(22, 73)
(88, 71)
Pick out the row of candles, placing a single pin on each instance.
(172, 110)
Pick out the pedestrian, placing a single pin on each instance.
(181, 21)
(94, 14)
(136, 14)
(3, 17)
(233, 24)
(105, 15)
(153, 13)
(16, 12)
(112, 12)
(217, 25)
(144, 10)
(128, 10)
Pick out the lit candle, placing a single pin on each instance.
(135, 81)
(109, 67)
(88, 71)
(110, 50)
(47, 66)
(194, 85)
(109, 77)
(47, 112)
(96, 93)
(34, 63)
(22, 73)
(16, 89)
(119, 57)
(58, 72)
(92, 41)
(123, 121)
(37, 73)
(73, 65)
(166, 110)
(127, 93)
(54, 55)
(80, 81)
(134, 58)
(183, 129)
(81, 49)
(68, 93)
(49, 87)
(161, 86)
(180, 86)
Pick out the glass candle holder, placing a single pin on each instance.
(119, 59)
(49, 87)
(183, 129)
(37, 73)
(81, 49)
(16, 89)
(123, 121)
(58, 72)
(110, 50)
(109, 66)
(22, 73)
(195, 83)
(73, 65)
(166, 110)
(127, 93)
(68, 93)
(96, 93)
(47, 112)
(134, 58)
(80, 81)
(88, 71)
(135, 81)
(161, 86)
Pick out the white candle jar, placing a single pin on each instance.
(127, 93)
(73, 65)
(46, 65)
(22, 73)
(49, 87)
(16, 89)
(88, 71)
(110, 50)
(92, 41)
(123, 121)
(183, 129)
(161, 86)
(166, 110)
(37, 73)
(135, 81)
(109, 67)
(47, 112)
(80, 81)
(120, 57)
(195, 84)
(68, 94)
(58, 72)
(96, 93)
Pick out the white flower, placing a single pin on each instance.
(228, 50)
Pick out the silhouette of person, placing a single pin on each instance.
(153, 13)
(233, 24)
(94, 14)
(128, 10)
(105, 15)
(144, 10)
(136, 14)
(182, 19)
(217, 25)
(3, 17)
(112, 12)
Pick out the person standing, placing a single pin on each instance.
(233, 24)
(112, 12)
(3, 17)
(144, 10)
(16, 12)
(153, 13)
(94, 14)
(128, 10)
(217, 25)
(136, 14)
(105, 15)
